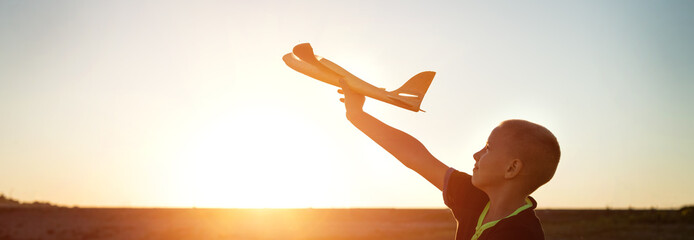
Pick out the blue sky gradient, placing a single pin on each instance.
(175, 103)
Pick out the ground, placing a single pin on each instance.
(334, 224)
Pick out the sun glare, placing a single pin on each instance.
(252, 162)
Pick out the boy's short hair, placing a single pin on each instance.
(535, 146)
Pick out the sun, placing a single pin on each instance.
(255, 161)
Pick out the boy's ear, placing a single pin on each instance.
(513, 168)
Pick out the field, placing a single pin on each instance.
(129, 223)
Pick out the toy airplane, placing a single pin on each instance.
(409, 96)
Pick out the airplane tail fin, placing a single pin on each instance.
(412, 92)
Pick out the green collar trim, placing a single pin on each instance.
(480, 228)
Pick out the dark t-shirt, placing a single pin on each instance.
(467, 202)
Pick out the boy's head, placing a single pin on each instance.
(517, 151)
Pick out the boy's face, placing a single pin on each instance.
(491, 162)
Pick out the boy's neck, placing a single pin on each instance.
(502, 203)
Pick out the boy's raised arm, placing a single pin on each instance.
(407, 149)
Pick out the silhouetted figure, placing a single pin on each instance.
(494, 202)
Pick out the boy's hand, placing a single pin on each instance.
(354, 102)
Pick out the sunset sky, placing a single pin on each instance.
(188, 103)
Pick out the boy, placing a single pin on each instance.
(494, 202)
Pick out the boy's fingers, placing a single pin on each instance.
(340, 91)
(342, 100)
